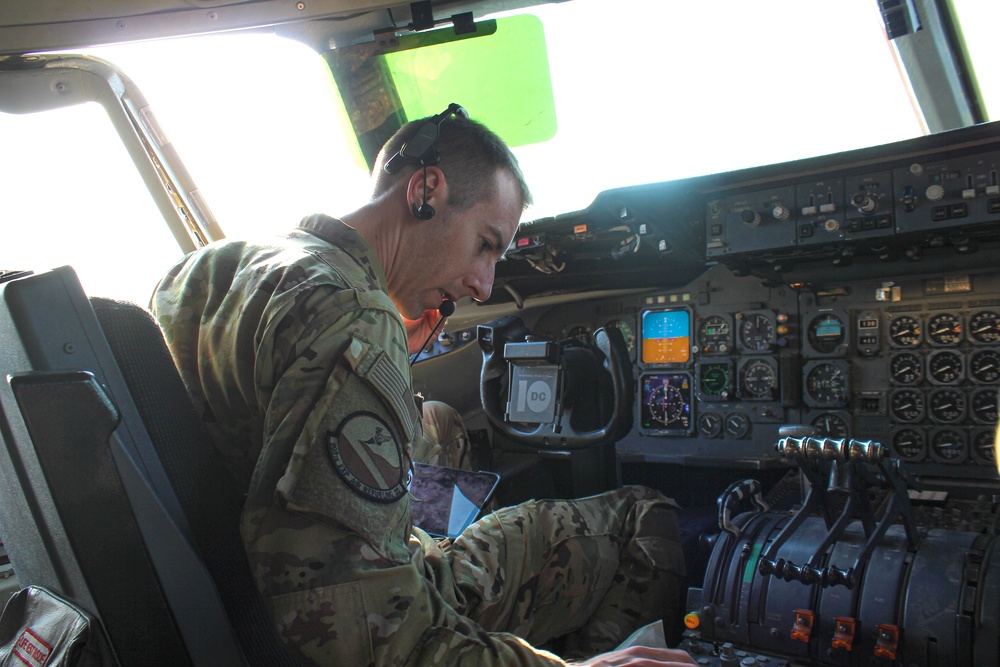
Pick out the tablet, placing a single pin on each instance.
(445, 501)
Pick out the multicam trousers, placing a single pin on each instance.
(573, 576)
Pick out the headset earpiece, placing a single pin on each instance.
(423, 212)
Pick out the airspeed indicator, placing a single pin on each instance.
(756, 332)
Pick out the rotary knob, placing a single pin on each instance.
(750, 217)
(780, 212)
(934, 192)
(864, 203)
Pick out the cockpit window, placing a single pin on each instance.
(708, 87)
(695, 89)
(976, 25)
(70, 194)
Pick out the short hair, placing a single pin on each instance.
(470, 153)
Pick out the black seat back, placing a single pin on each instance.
(207, 493)
(109, 491)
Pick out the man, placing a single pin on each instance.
(296, 355)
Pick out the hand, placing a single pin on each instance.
(418, 330)
(640, 656)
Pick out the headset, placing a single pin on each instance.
(421, 149)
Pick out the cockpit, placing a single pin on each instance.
(759, 274)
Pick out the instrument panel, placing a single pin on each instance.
(849, 296)
(723, 362)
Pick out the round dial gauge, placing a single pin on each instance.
(904, 331)
(826, 332)
(714, 380)
(830, 425)
(827, 383)
(948, 444)
(946, 405)
(983, 447)
(907, 405)
(984, 327)
(758, 379)
(908, 443)
(714, 335)
(906, 368)
(945, 367)
(737, 425)
(756, 332)
(984, 406)
(710, 425)
(945, 329)
(669, 406)
(985, 366)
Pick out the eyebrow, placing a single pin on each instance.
(498, 240)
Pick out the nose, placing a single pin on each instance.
(479, 283)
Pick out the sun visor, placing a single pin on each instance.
(497, 69)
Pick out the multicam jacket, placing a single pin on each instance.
(297, 361)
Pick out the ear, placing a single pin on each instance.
(437, 188)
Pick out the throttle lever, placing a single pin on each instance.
(831, 449)
(734, 494)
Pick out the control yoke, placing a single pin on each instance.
(567, 394)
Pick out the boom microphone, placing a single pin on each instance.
(446, 309)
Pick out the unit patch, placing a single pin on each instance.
(368, 456)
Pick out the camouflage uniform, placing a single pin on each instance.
(444, 442)
(297, 360)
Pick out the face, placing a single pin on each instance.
(453, 254)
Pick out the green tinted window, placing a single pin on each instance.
(500, 75)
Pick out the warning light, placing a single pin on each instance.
(692, 621)
(804, 620)
(523, 242)
(580, 229)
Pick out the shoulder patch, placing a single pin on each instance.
(369, 457)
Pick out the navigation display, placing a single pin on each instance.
(666, 336)
(665, 407)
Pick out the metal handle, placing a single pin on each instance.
(736, 493)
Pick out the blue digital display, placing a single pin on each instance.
(666, 336)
